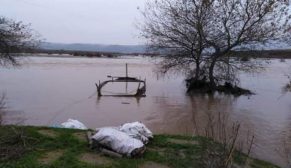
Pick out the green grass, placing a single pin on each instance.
(160, 150)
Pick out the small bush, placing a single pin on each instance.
(14, 142)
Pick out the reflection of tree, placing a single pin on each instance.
(98, 100)
(2, 107)
(207, 108)
(284, 149)
(8, 116)
(184, 115)
(206, 111)
(212, 118)
(287, 87)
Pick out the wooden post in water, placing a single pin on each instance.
(126, 75)
(126, 70)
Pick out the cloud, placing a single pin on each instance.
(82, 21)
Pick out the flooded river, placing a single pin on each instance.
(49, 90)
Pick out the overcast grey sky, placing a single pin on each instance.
(79, 21)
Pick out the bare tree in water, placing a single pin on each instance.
(176, 29)
(199, 35)
(244, 23)
(15, 37)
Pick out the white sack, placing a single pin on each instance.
(118, 141)
(137, 130)
(74, 124)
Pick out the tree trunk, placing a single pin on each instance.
(197, 71)
(211, 75)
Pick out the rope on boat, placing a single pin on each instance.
(57, 113)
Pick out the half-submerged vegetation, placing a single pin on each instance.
(54, 147)
(200, 37)
(200, 86)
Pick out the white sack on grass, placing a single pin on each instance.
(74, 124)
(137, 130)
(118, 141)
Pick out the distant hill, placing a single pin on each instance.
(129, 49)
(94, 47)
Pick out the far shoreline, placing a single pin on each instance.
(267, 54)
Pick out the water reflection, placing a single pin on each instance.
(48, 91)
(8, 116)
(207, 107)
(136, 98)
(2, 108)
(284, 149)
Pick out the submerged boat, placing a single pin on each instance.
(140, 90)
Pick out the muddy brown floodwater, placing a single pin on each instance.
(47, 91)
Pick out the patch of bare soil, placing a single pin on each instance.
(51, 157)
(81, 136)
(182, 142)
(94, 159)
(48, 133)
(241, 166)
(152, 165)
(182, 154)
(160, 151)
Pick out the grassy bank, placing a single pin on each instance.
(64, 148)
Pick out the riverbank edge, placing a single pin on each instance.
(57, 147)
(244, 55)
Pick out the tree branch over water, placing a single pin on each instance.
(15, 37)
